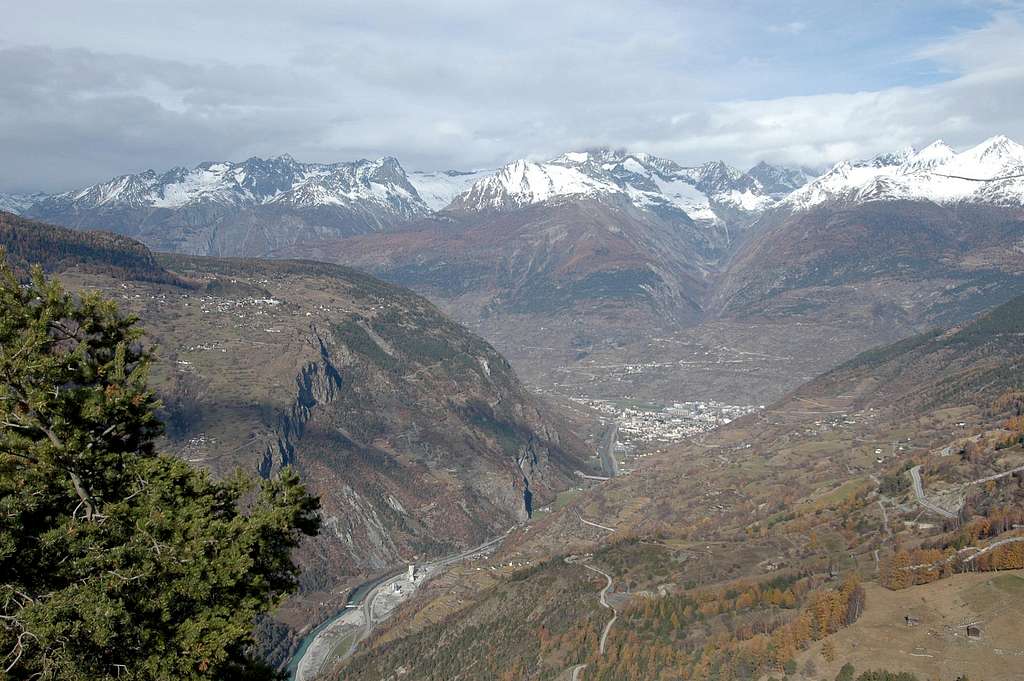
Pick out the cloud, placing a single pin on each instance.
(74, 116)
(792, 28)
(96, 90)
(983, 98)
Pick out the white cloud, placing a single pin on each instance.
(99, 89)
(983, 98)
(792, 28)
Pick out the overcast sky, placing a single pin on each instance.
(93, 89)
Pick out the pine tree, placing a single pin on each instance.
(117, 562)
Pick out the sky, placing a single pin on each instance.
(90, 90)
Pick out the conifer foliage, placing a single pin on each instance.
(116, 561)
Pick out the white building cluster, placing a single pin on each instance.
(668, 424)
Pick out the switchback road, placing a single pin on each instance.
(915, 478)
(604, 603)
(578, 669)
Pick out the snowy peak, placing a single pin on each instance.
(600, 155)
(523, 182)
(935, 154)
(646, 181)
(779, 180)
(890, 159)
(255, 182)
(985, 173)
(994, 157)
(19, 203)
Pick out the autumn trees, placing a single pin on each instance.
(736, 633)
(963, 550)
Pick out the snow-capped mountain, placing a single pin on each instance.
(19, 203)
(254, 182)
(779, 181)
(438, 189)
(709, 193)
(249, 208)
(991, 172)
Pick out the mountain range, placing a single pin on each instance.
(364, 196)
(593, 272)
(991, 172)
(245, 208)
(577, 262)
(253, 206)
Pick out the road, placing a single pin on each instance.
(587, 522)
(578, 669)
(992, 546)
(604, 603)
(996, 476)
(885, 517)
(359, 614)
(315, 654)
(607, 450)
(915, 478)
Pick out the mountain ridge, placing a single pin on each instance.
(283, 180)
(989, 172)
(241, 209)
(249, 207)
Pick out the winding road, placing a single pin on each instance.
(915, 477)
(578, 669)
(997, 476)
(604, 603)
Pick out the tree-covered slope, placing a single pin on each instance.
(28, 242)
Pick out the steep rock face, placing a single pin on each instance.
(497, 452)
(244, 208)
(415, 433)
(317, 383)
